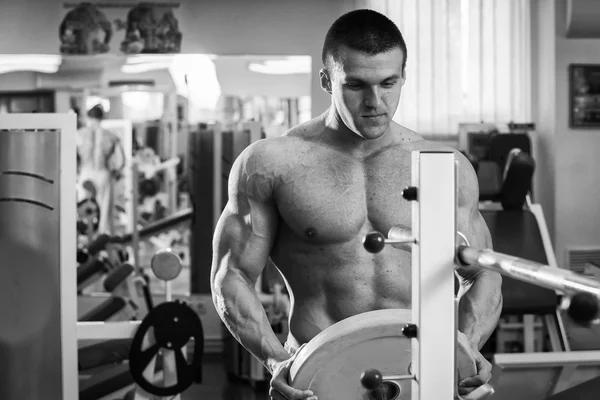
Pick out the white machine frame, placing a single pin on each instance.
(567, 361)
(434, 308)
(66, 124)
(434, 175)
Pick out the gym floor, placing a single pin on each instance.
(217, 386)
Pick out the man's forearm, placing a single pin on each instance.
(243, 314)
(480, 307)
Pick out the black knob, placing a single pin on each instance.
(374, 242)
(410, 331)
(410, 193)
(583, 308)
(371, 379)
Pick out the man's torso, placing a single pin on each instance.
(328, 200)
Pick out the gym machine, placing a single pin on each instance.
(434, 314)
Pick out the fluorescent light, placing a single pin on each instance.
(288, 66)
(45, 63)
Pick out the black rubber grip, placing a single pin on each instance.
(98, 244)
(117, 276)
(104, 353)
(104, 311)
(89, 269)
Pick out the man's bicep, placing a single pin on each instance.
(242, 243)
(247, 227)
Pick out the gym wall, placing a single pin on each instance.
(568, 183)
(232, 27)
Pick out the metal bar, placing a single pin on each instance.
(553, 334)
(563, 332)
(563, 280)
(433, 304)
(528, 333)
(547, 360)
(136, 218)
(107, 330)
(398, 378)
(400, 241)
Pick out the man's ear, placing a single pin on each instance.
(325, 80)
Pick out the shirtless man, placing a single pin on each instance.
(307, 200)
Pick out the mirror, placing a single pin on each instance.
(150, 104)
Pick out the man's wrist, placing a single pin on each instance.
(271, 363)
(473, 338)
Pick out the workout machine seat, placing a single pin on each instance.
(489, 154)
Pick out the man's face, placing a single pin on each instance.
(366, 89)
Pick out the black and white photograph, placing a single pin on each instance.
(300, 200)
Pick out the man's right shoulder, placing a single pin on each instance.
(271, 151)
(264, 163)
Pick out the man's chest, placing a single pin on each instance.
(335, 198)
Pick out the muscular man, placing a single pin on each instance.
(308, 198)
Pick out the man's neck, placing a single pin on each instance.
(339, 135)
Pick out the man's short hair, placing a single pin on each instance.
(363, 30)
(96, 112)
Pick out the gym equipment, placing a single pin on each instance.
(93, 248)
(434, 306)
(523, 233)
(155, 228)
(551, 376)
(105, 310)
(340, 353)
(38, 247)
(155, 186)
(88, 216)
(582, 293)
(434, 315)
(167, 330)
(91, 268)
(117, 276)
(103, 353)
(133, 336)
(503, 164)
(173, 325)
